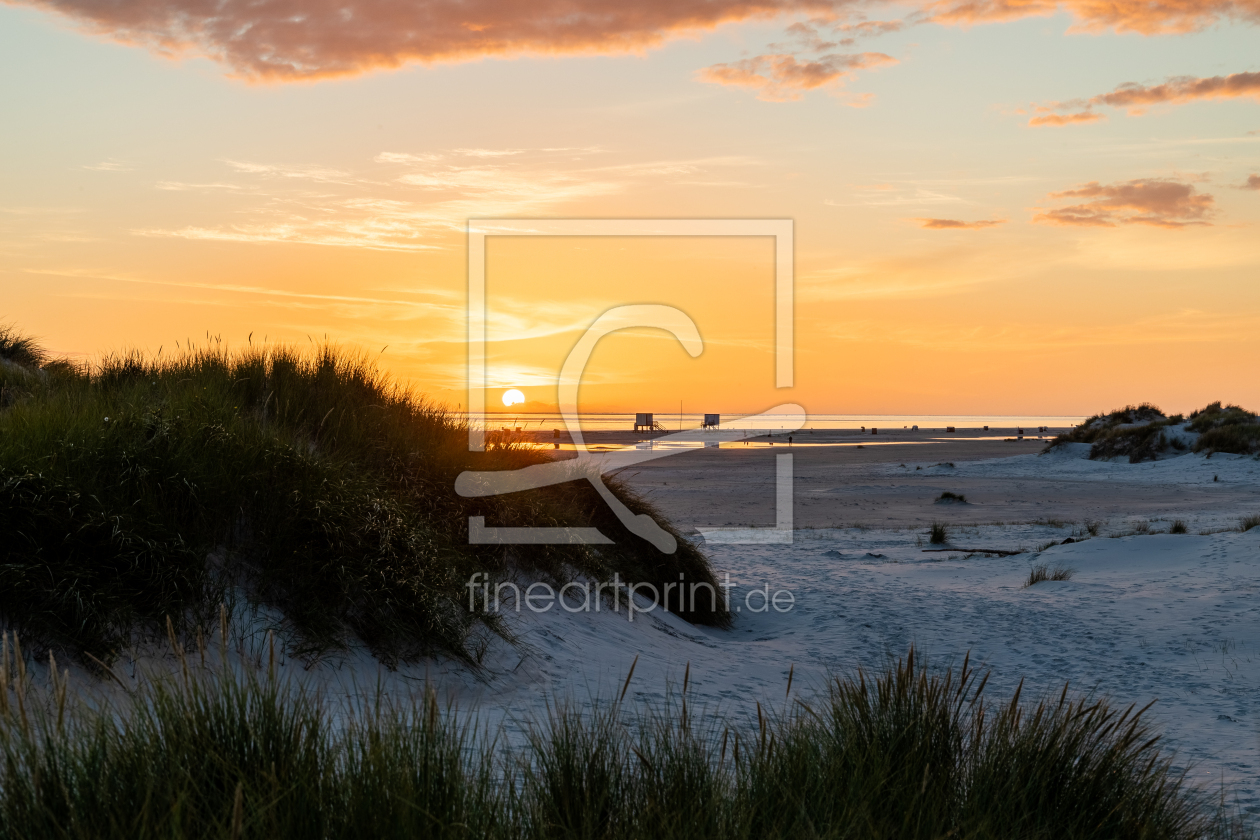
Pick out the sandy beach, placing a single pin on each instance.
(893, 482)
(1146, 615)
(1164, 617)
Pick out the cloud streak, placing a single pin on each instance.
(279, 40)
(783, 77)
(1148, 17)
(1136, 98)
(413, 201)
(1156, 201)
(958, 224)
(1065, 119)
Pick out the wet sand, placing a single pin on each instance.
(843, 485)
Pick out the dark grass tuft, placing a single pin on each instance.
(938, 534)
(1043, 572)
(951, 498)
(1249, 522)
(1178, 527)
(905, 752)
(144, 488)
(20, 349)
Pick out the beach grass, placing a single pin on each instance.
(938, 533)
(139, 488)
(1249, 522)
(906, 752)
(951, 498)
(1142, 432)
(1043, 572)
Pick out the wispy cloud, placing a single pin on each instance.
(391, 307)
(892, 196)
(180, 186)
(318, 174)
(935, 272)
(1137, 98)
(784, 77)
(957, 224)
(1047, 117)
(821, 35)
(411, 201)
(109, 166)
(1142, 16)
(410, 319)
(1182, 327)
(1158, 202)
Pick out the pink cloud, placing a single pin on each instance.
(280, 40)
(1252, 183)
(782, 77)
(1181, 89)
(1148, 17)
(1154, 201)
(1064, 119)
(1136, 98)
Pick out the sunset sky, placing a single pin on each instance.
(1000, 206)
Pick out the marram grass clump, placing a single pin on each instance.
(1144, 433)
(140, 488)
(905, 752)
(1042, 572)
(938, 533)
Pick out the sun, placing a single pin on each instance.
(512, 397)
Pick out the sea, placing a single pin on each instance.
(593, 422)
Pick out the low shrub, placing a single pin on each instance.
(1178, 527)
(938, 534)
(1215, 415)
(1240, 439)
(1142, 433)
(1249, 522)
(1225, 428)
(951, 498)
(1133, 431)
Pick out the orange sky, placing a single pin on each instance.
(999, 208)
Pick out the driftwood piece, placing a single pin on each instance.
(974, 551)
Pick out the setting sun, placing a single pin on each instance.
(513, 397)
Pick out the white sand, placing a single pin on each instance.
(1173, 618)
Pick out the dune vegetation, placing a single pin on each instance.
(134, 489)
(1042, 572)
(908, 752)
(1144, 433)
